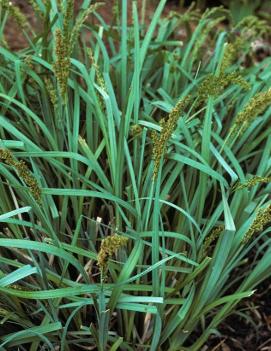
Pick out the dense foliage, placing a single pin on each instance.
(135, 167)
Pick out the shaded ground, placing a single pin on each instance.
(16, 40)
(250, 330)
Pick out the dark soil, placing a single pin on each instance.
(16, 40)
(252, 330)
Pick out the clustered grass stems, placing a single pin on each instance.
(23, 173)
(262, 219)
(97, 169)
(167, 128)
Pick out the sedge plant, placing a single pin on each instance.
(135, 178)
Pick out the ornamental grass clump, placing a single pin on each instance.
(149, 207)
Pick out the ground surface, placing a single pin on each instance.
(237, 333)
(17, 41)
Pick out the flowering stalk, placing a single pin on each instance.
(252, 182)
(108, 247)
(168, 126)
(15, 13)
(65, 41)
(257, 105)
(214, 234)
(214, 85)
(51, 91)
(23, 173)
(262, 219)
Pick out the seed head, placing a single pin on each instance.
(252, 182)
(23, 173)
(214, 234)
(108, 247)
(252, 110)
(262, 219)
(168, 126)
(51, 91)
(15, 13)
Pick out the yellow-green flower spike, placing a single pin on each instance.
(15, 13)
(108, 247)
(262, 219)
(214, 234)
(257, 105)
(64, 43)
(23, 173)
(168, 126)
(62, 64)
(252, 182)
(51, 91)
